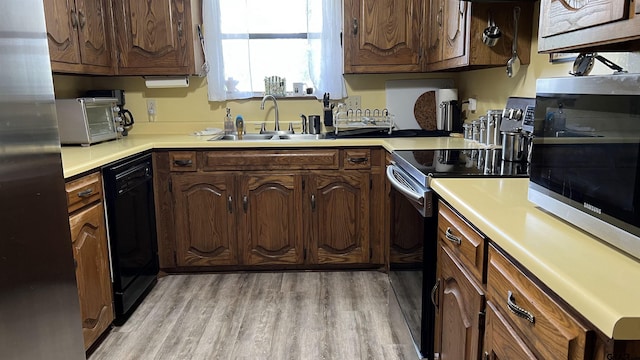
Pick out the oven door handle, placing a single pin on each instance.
(418, 198)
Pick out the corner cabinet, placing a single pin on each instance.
(383, 36)
(583, 25)
(454, 35)
(157, 37)
(297, 208)
(79, 36)
(90, 254)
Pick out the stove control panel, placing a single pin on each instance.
(518, 115)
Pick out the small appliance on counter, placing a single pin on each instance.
(88, 120)
(516, 128)
(125, 118)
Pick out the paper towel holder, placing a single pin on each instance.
(161, 82)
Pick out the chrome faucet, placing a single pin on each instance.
(275, 104)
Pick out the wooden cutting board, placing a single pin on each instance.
(424, 110)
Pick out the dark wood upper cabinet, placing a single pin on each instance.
(157, 37)
(596, 25)
(382, 36)
(79, 36)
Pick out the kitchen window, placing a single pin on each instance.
(249, 40)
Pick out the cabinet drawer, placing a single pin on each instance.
(83, 191)
(356, 159)
(500, 340)
(183, 161)
(545, 325)
(466, 243)
(271, 159)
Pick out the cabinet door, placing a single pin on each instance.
(383, 35)
(89, 239)
(205, 219)
(434, 33)
(92, 36)
(62, 30)
(561, 16)
(339, 204)
(152, 36)
(455, 32)
(460, 303)
(271, 219)
(500, 340)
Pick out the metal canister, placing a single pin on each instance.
(494, 119)
(467, 131)
(475, 130)
(482, 138)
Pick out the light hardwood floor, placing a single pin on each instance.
(289, 315)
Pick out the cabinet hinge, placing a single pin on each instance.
(170, 185)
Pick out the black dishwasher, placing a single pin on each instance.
(132, 232)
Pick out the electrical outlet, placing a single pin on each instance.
(353, 102)
(151, 109)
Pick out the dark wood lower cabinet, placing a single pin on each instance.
(205, 222)
(460, 305)
(303, 208)
(271, 219)
(500, 339)
(340, 218)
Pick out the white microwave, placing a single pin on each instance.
(86, 121)
(585, 160)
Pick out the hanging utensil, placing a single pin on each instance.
(513, 65)
(583, 64)
(492, 33)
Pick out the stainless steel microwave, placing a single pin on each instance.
(87, 121)
(585, 162)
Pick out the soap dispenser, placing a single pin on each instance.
(228, 123)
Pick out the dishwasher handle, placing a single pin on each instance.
(409, 193)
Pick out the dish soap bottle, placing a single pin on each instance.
(228, 123)
(240, 126)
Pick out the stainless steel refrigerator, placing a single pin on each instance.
(39, 310)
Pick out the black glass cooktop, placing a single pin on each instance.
(382, 133)
(458, 163)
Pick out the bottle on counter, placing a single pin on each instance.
(228, 123)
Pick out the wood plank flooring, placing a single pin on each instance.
(288, 315)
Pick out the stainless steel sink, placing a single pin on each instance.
(262, 137)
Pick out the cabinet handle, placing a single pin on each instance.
(230, 204)
(454, 239)
(183, 163)
(179, 28)
(439, 17)
(359, 160)
(245, 203)
(74, 19)
(85, 193)
(485, 356)
(511, 304)
(355, 26)
(433, 292)
(313, 202)
(83, 19)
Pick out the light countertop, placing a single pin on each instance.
(78, 159)
(597, 280)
